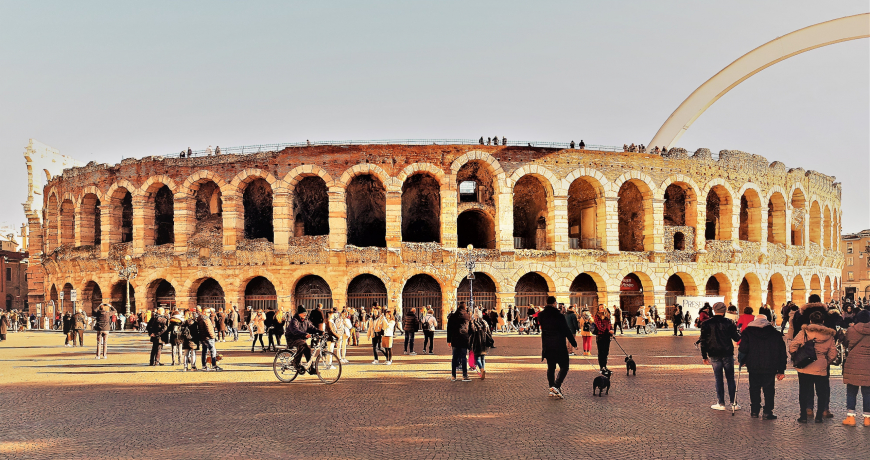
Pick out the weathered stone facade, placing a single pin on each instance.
(304, 211)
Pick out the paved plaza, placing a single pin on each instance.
(58, 402)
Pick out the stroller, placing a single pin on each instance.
(525, 326)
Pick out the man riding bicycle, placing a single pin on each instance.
(300, 329)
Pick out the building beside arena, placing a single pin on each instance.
(356, 224)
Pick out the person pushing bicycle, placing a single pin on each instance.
(300, 329)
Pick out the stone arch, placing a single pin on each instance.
(311, 289)
(719, 210)
(91, 297)
(207, 292)
(160, 292)
(635, 212)
(631, 299)
(750, 213)
(300, 172)
(309, 206)
(692, 194)
(421, 207)
(588, 288)
(549, 274)
(424, 168)
(827, 227)
(826, 296)
(686, 277)
(543, 174)
(67, 222)
(776, 289)
(154, 183)
(90, 223)
(532, 288)
(533, 212)
(815, 223)
(52, 222)
(718, 284)
(776, 218)
(365, 289)
(366, 169)
(494, 165)
(254, 192)
(477, 228)
(798, 291)
(587, 210)
(749, 292)
(119, 198)
(799, 214)
(259, 292)
(366, 203)
(421, 290)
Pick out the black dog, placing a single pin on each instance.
(630, 366)
(602, 382)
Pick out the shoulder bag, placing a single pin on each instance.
(806, 354)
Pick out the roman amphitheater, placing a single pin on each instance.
(396, 224)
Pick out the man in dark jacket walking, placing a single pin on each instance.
(718, 335)
(554, 332)
(762, 351)
(299, 329)
(410, 324)
(458, 338)
(157, 327)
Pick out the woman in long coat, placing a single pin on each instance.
(856, 370)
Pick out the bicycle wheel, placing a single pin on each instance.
(283, 365)
(328, 367)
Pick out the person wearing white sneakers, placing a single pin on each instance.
(718, 335)
(388, 324)
(856, 370)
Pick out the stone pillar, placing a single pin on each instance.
(449, 207)
(611, 206)
(185, 220)
(394, 219)
(504, 224)
(108, 234)
(282, 220)
(560, 223)
(763, 230)
(658, 230)
(233, 222)
(337, 220)
(143, 225)
(563, 297)
(701, 227)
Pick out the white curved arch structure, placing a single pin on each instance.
(781, 48)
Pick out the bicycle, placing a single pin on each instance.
(325, 364)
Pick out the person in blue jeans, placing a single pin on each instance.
(206, 339)
(718, 335)
(458, 334)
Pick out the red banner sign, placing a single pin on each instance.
(629, 284)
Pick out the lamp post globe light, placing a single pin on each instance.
(127, 272)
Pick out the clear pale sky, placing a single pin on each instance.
(106, 80)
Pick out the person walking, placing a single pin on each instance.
(744, 319)
(233, 322)
(718, 335)
(410, 324)
(67, 322)
(480, 341)
(458, 335)
(573, 326)
(157, 326)
(762, 351)
(585, 325)
(617, 320)
(856, 370)
(815, 375)
(4, 325)
(603, 335)
(175, 338)
(103, 316)
(206, 338)
(79, 322)
(388, 326)
(677, 319)
(221, 326)
(190, 341)
(343, 326)
(554, 332)
(375, 332)
(429, 325)
(271, 324)
(258, 326)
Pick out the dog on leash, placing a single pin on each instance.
(630, 366)
(602, 383)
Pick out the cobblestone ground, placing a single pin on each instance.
(58, 402)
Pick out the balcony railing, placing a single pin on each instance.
(584, 243)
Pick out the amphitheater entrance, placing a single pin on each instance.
(421, 209)
(799, 291)
(476, 228)
(164, 295)
(260, 294)
(673, 288)
(91, 297)
(485, 292)
(421, 291)
(631, 295)
(749, 293)
(311, 207)
(210, 294)
(312, 290)
(775, 292)
(531, 289)
(584, 291)
(366, 290)
(366, 200)
(257, 203)
(119, 298)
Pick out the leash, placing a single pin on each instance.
(620, 346)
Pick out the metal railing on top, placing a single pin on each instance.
(249, 149)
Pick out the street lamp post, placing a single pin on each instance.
(127, 272)
(469, 264)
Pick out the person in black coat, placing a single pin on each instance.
(762, 351)
(157, 327)
(67, 327)
(458, 336)
(554, 332)
(410, 324)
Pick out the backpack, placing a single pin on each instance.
(806, 354)
(586, 327)
(426, 326)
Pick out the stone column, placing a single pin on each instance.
(701, 227)
(337, 220)
(143, 225)
(449, 237)
(108, 234)
(763, 230)
(394, 219)
(658, 230)
(504, 224)
(233, 224)
(611, 206)
(185, 220)
(282, 220)
(560, 223)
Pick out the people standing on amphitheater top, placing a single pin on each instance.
(582, 144)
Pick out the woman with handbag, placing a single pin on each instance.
(603, 332)
(481, 340)
(388, 325)
(856, 369)
(814, 375)
(375, 332)
(585, 324)
(258, 327)
(678, 320)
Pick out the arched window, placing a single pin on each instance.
(257, 201)
(366, 200)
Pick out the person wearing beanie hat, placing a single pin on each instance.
(856, 369)
(300, 328)
(762, 351)
(718, 335)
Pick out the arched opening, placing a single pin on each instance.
(91, 233)
(52, 224)
(750, 216)
(816, 286)
(679, 241)
(531, 214)
(257, 202)
(631, 294)
(421, 291)
(815, 223)
(366, 290)
(827, 292)
(776, 219)
(776, 292)
(421, 209)
(312, 290)
(210, 294)
(633, 204)
(584, 204)
(675, 206)
(260, 294)
(718, 226)
(66, 304)
(122, 215)
(208, 207)
(67, 223)
(749, 293)
(827, 226)
(718, 285)
(584, 291)
(673, 288)
(366, 212)
(119, 297)
(798, 217)
(474, 182)
(91, 297)
(799, 291)
(484, 291)
(476, 228)
(164, 216)
(531, 289)
(164, 294)
(311, 207)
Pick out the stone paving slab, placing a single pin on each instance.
(58, 402)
